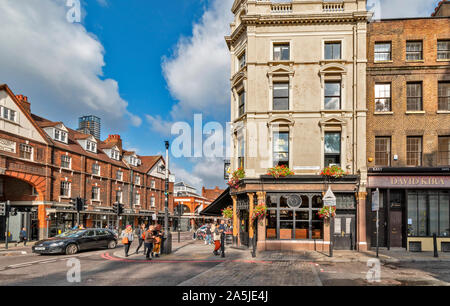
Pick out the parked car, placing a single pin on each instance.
(71, 242)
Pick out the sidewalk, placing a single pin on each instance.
(12, 246)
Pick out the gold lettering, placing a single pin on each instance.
(394, 181)
(442, 181)
(416, 181)
(423, 181)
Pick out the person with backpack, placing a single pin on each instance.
(127, 238)
(140, 233)
(149, 240)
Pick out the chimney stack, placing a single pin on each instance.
(23, 100)
(115, 139)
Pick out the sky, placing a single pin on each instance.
(138, 65)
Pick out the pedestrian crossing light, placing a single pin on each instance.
(120, 209)
(116, 208)
(2, 209)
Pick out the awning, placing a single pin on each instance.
(215, 208)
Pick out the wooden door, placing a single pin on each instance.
(396, 229)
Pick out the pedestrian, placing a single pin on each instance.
(149, 240)
(157, 243)
(208, 234)
(216, 237)
(140, 233)
(75, 227)
(127, 238)
(82, 227)
(23, 237)
(222, 231)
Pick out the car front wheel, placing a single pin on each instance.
(112, 244)
(71, 249)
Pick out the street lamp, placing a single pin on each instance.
(167, 235)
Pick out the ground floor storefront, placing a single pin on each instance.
(414, 206)
(292, 221)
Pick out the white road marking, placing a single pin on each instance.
(20, 266)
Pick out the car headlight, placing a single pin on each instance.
(55, 244)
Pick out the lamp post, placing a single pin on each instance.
(167, 235)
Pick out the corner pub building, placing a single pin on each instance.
(298, 99)
(43, 164)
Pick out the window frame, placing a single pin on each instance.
(23, 146)
(69, 160)
(241, 103)
(416, 98)
(446, 51)
(441, 152)
(5, 114)
(282, 97)
(281, 45)
(408, 152)
(339, 96)
(95, 196)
(385, 99)
(328, 43)
(65, 185)
(278, 162)
(334, 155)
(442, 97)
(410, 53)
(98, 168)
(121, 175)
(388, 151)
(384, 52)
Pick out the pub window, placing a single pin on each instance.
(281, 52)
(96, 169)
(26, 151)
(332, 148)
(332, 95)
(428, 214)
(65, 189)
(95, 193)
(443, 50)
(444, 96)
(281, 149)
(241, 153)
(65, 161)
(383, 151)
(414, 96)
(414, 151)
(332, 50)
(241, 103)
(414, 50)
(383, 97)
(383, 51)
(444, 150)
(281, 96)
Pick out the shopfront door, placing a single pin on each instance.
(396, 229)
(244, 226)
(344, 232)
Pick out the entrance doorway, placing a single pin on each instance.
(243, 228)
(344, 232)
(396, 229)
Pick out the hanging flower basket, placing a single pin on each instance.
(259, 212)
(236, 178)
(280, 171)
(324, 212)
(333, 171)
(227, 212)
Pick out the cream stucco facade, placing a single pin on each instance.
(304, 25)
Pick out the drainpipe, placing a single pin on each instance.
(355, 104)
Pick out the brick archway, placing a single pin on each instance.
(38, 182)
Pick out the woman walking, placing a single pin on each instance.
(140, 233)
(157, 244)
(127, 239)
(149, 240)
(216, 237)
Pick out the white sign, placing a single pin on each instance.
(376, 200)
(306, 167)
(154, 217)
(329, 199)
(7, 145)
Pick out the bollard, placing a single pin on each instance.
(435, 245)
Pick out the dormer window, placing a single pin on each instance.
(115, 154)
(60, 135)
(8, 114)
(91, 146)
(134, 161)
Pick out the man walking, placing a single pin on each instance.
(208, 234)
(222, 230)
(149, 240)
(23, 237)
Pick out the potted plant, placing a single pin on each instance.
(280, 171)
(324, 212)
(259, 212)
(227, 212)
(333, 171)
(236, 178)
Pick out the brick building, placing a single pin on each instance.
(43, 164)
(212, 194)
(408, 129)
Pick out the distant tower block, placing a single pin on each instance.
(90, 125)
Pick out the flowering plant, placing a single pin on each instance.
(227, 212)
(236, 178)
(259, 211)
(278, 171)
(324, 212)
(333, 171)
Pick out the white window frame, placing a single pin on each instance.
(27, 146)
(281, 42)
(70, 161)
(8, 112)
(97, 194)
(137, 199)
(121, 175)
(91, 146)
(69, 189)
(115, 154)
(137, 180)
(62, 135)
(99, 169)
(121, 196)
(333, 40)
(153, 184)
(152, 202)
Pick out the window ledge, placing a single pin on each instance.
(10, 121)
(415, 112)
(383, 62)
(443, 112)
(283, 62)
(383, 113)
(416, 61)
(443, 60)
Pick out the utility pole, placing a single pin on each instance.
(167, 234)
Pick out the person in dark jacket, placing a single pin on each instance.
(222, 231)
(149, 240)
(23, 237)
(140, 233)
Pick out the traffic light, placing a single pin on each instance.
(120, 210)
(3, 209)
(116, 208)
(13, 211)
(73, 202)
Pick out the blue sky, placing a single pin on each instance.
(138, 65)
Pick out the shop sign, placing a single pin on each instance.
(409, 181)
(329, 199)
(7, 145)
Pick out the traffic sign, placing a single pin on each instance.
(376, 200)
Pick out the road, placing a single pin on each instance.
(195, 265)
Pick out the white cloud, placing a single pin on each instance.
(57, 64)
(405, 8)
(198, 72)
(159, 125)
(103, 3)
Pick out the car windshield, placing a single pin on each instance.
(70, 234)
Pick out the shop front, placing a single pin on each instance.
(414, 206)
